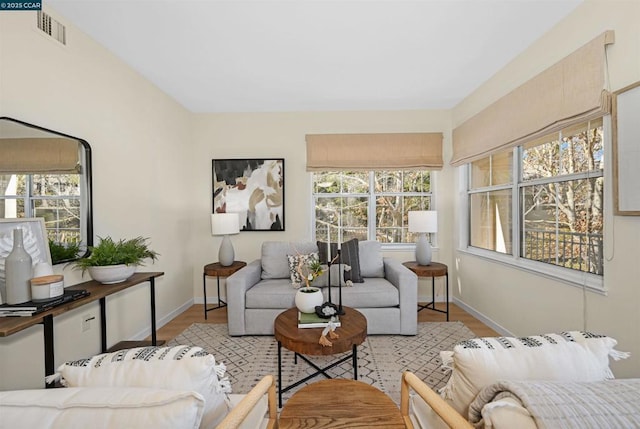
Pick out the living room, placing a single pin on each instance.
(153, 157)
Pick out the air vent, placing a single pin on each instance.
(52, 27)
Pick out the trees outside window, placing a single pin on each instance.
(559, 192)
(369, 205)
(54, 197)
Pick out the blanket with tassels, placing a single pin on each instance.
(566, 405)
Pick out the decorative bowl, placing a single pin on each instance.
(110, 274)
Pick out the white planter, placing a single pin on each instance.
(110, 274)
(308, 298)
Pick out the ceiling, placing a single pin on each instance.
(312, 55)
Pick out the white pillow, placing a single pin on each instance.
(177, 368)
(569, 356)
(101, 408)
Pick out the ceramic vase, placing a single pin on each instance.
(307, 298)
(18, 271)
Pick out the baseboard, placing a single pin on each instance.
(163, 321)
(484, 319)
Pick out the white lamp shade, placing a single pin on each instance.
(225, 223)
(423, 221)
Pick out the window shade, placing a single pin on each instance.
(326, 152)
(570, 91)
(39, 155)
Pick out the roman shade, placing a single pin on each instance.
(39, 155)
(570, 91)
(391, 151)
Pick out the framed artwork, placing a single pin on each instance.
(626, 150)
(34, 237)
(254, 188)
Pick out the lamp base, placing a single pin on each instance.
(423, 250)
(226, 255)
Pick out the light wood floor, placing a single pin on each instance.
(195, 314)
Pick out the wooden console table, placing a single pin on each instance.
(99, 292)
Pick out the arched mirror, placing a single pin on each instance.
(47, 174)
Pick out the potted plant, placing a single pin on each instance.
(113, 262)
(308, 297)
(63, 252)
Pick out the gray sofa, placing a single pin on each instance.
(257, 293)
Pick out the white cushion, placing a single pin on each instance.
(570, 356)
(178, 368)
(423, 416)
(99, 408)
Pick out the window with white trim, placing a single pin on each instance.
(54, 197)
(543, 201)
(369, 205)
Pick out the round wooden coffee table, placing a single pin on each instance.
(340, 404)
(352, 332)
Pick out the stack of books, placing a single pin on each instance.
(312, 320)
(30, 308)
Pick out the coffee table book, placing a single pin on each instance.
(312, 320)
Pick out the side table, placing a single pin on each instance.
(218, 270)
(433, 270)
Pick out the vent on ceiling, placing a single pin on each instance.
(52, 27)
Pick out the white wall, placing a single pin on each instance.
(141, 143)
(282, 135)
(525, 303)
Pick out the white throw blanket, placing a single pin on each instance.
(603, 404)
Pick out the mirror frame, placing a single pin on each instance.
(88, 178)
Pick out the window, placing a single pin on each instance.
(369, 205)
(54, 197)
(550, 209)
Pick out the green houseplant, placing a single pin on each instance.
(308, 297)
(115, 261)
(63, 252)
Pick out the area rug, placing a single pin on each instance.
(381, 358)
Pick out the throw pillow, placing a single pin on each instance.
(176, 368)
(569, 356)
(371, 262)
(295, 261)
(349, 255)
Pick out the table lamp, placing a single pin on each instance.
(422, 222)
(225, 224)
